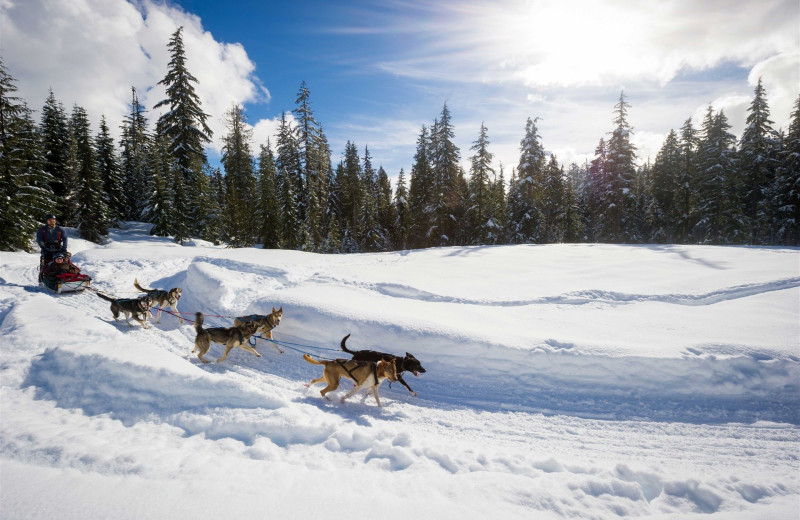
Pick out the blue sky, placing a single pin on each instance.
(378, 71)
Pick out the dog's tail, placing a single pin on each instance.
(198, 323)
(344, 347)
(136, 284)
(103, 296)
(312, 360)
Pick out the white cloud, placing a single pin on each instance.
(548, 43)
(91, 52)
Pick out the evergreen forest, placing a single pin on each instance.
(705, 186)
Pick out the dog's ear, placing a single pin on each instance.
(281, 309)
(273, 309)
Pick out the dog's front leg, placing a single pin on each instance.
(377, 399)
(351, 392)
(403, 382)
(249, 349)
(178, 314)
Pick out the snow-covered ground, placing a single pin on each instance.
(563, 381)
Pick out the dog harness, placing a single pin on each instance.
(358, 364)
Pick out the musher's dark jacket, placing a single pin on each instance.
(52, 239)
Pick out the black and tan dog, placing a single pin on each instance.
(406, 363)
(231, 337)
(164, 299)
(365, 374)
(265, 323)
(136, 307)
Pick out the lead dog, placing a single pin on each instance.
(265, 323)
(365, 375)
(406, 363)
(231, 337)
(135, 307)
(164, 299)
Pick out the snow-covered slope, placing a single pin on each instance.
(590, 381)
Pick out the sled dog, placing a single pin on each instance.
(231, 337)
(136, 307)
(406, 363)
(365, 374)
(265, 323)
(164, 299)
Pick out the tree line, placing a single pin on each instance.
(705, 186)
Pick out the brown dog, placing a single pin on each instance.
(265, 323)
(365, 374)
(231, 337)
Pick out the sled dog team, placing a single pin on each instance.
(367, 368)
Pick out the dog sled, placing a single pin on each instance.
(67, 282)
(62, 282)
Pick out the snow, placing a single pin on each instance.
(563, 381)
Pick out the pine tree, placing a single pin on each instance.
(237, 159)
(447, 198)
(135, 143)
(481, 175)
(215, 200)
(268, 208)
(108, 166)
(787, 199)
(402, 222)
(316, 165)
(497, 209)
(551, 203)
(666, 173)
(159, 211)
(420, 194)
(458, 214)
(387, 215)
(598, 195)
(184, 125)
(290, 185)
(524, 213)
(24, 182)
(332, 242)
(92, 212)
(574, 204)
(686, 185)
(352, 199)
(54, 132)
(620, 170)
(718, 208)
(372, 237)
(758, 161)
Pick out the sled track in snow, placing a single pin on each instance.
(595, 296)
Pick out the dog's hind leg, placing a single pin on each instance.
(332, 385)
(228, 348)
(315, 381)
